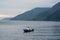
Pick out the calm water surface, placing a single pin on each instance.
(44, 30)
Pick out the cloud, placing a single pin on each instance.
(12, 12)
(15, 7)
(25, 3)
(3, 15)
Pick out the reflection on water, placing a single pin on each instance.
(13, 30)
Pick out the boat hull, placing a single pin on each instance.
(25, 30)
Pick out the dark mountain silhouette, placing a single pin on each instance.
(41, 14)
(51, 15)
(8, 18)
(55, 13)
(29, 15)
(55, 16)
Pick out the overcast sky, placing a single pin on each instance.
(9, 8)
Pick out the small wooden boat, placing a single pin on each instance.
(26, 30)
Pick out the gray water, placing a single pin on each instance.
(43, 30)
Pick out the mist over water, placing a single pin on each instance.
(43, 30)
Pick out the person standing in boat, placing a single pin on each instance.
(28, 28)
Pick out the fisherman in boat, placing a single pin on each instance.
(28, 28)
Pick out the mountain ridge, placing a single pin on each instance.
(48, 14)
(30, 14)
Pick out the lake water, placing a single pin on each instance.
(43, 30)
